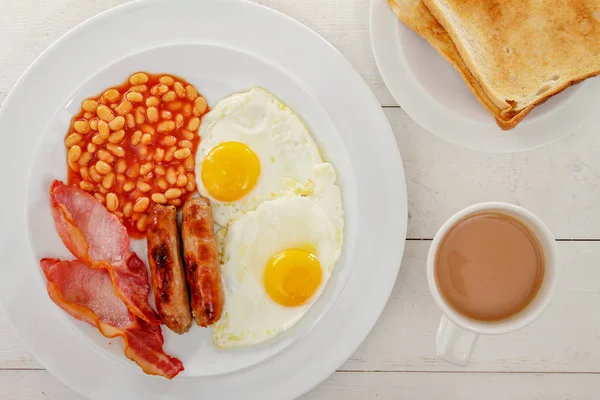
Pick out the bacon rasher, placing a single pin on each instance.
(98, 239)
(88, 295)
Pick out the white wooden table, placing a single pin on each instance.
(558, 357)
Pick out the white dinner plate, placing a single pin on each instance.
(221, 47)
(432, 93)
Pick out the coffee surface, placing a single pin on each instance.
(489, 266)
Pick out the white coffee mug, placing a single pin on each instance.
(457, 333)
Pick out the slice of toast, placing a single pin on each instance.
(523, 52)
(415, 15)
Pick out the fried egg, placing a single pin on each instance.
(277, 259)
(253, 149)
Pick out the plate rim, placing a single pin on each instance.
(319, 374)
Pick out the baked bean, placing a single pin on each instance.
(82, 126)
(174, 106)
(128, 186)
(108, 181)
(189, 163)
(73, 165)
(171, 176)
(135, 138)
(124, 107)
(83, 171)
(130, 121)
(164, 114)
(72, 139)
(143, 151)
(193, 124)
(112, 95)
(182, 153)
(74, 154)
(169, 154)
(168, 140)
(146, 139)
(117, 123)
(143, 186)
(133, 171)
(179, 89)
(141, 204)
(85, 158)
(152, 114)
(187, 109)
(187, 135)
(91, 148)
(121, 166)
(103, 130)
(159, 198)
(159, 90)
(173, 193)
(138, 79)
(105, 113)
(191, 183)
(139, 88)
(175, 202)
(117, 136)
(89, 105)
(159, 154)
(121, 178)
(185, 143)
(105, 156)
(134, 97)
(147, 128)
(96, 177)
(87, 186)
(142, 223)
(169, 96)
(145, 169)
(103, 167)
(179, 121)
(199, 106)
(100, 197)
(112, 202)
(128, 209)
(152, 101)
(97, 139)
(159, 170)
(181, 180)
(140, 117)
(180, 169)
(191, 92)
(116, 150)
(165, 126)
(94, 124)
(166, 80)
(162, 183)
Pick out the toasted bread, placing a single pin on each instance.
(415, 15)
(522, 53)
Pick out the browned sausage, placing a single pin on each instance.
(202, 261)
(168, 275)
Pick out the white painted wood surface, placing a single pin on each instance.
(558, 357)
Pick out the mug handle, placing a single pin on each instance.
(453, 343)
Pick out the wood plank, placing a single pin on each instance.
(27, 29)
(564, 339)
(560, 182)
(40, 385)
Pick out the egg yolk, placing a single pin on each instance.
(292, 277)
(230, 170)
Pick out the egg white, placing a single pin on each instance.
(313, 221)
(285, 149)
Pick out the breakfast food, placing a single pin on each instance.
(277, 261)
(511, 64)
(202, 261)
(134, 146)
(167, 270)
(97, 238)
(253, 148)
(88, 295)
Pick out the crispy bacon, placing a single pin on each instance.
(88, 295)
(97, 238)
